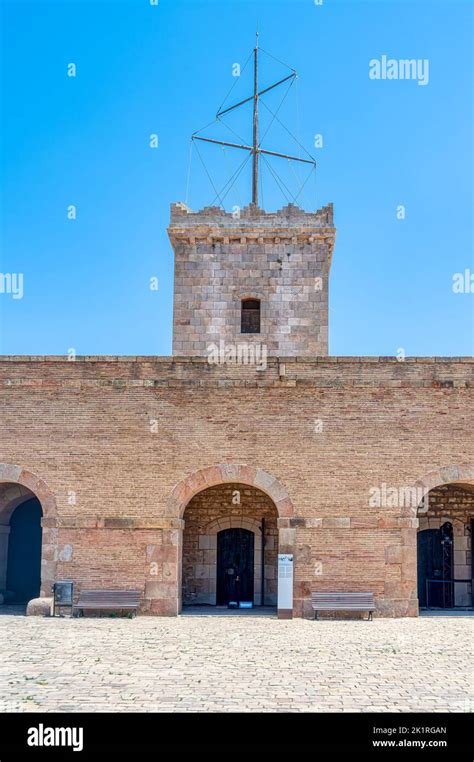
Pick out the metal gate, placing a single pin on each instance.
(436, 585)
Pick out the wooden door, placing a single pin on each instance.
(24, 552)
(235, 566)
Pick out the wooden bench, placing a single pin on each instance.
(342, 602)
(108, 600)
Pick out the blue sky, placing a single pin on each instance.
(144, 69)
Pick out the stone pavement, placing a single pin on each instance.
(206, 663)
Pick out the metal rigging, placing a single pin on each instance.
(255, 148)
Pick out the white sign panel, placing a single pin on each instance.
(285, 580)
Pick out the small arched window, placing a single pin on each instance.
(250, 316)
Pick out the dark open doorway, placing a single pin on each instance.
(235, 566)
(24, 552)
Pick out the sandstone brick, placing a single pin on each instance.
(393, 554)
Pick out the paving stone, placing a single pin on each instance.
(186, 664)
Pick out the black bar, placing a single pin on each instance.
(104, 734)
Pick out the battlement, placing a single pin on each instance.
(215, 223)
(289, 215)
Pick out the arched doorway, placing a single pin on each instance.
(23, 572)
(178, 550)
(230, 547)
(28, 536)
(445, 569)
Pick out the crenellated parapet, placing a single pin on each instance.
(287, 225)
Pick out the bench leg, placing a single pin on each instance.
(370, 616)
(315, 615)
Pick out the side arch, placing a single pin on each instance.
(418, 559)
(25, 478)
(453, 473)
(29, 482)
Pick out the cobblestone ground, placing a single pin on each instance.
(205, 663)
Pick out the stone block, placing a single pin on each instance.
(393, 554)
(160, 590)
(39, 607)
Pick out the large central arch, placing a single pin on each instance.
(227, 473)
(236, 473)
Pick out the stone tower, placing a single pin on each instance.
(256, 277)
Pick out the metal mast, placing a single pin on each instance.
(255, 148)
(255, 126)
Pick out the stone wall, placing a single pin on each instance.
(104, 442)
(282, 259)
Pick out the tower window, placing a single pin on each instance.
(250, 316)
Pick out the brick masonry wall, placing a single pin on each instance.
(281, 258)
(111, 438)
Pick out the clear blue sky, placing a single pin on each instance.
(143, 69)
